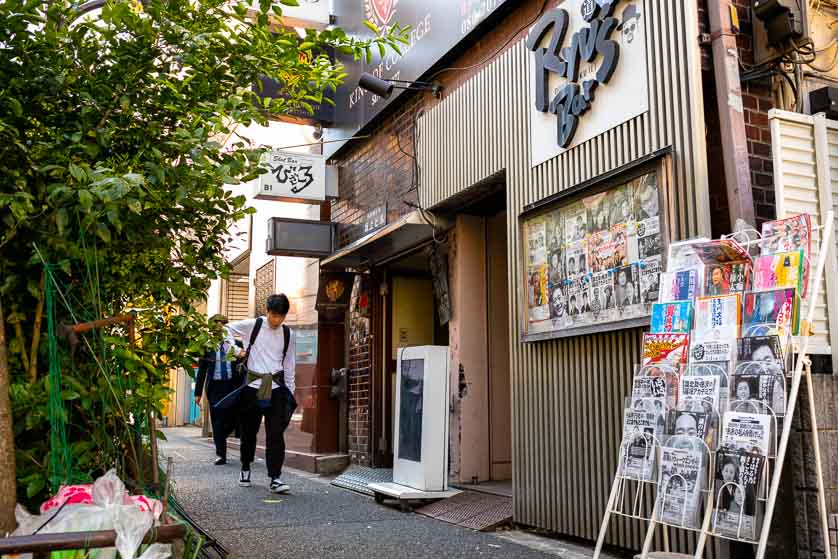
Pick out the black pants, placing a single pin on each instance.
(223, 424)
(224, 420)
(277, 418)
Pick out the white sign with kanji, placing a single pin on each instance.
(293, 176)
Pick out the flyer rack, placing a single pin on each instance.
(770, 482)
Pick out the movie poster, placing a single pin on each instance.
(575, 223)
(649, 238)
(598, 209)
(628, 286)
(650, 270)
(537, 288)
(576, 260)
(537, 242)
(553, 225)
(603, 301)
(595, 260)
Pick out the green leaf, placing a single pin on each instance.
(17, 108)
(61, 220)
(161, 436)
(135, 206)
(68, 395)
(308, 45)
(289, 3)
(103, 232)
(372, 27)
(86, 200)
(77, 172)
(35, 486)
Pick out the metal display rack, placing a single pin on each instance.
(630, 495)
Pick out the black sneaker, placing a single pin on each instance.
(220, 461)
(278, 487)
(244, 478)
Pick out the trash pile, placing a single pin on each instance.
(103, 505)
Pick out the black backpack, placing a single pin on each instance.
(231, 399)
(241, 364)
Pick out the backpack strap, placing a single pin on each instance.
(286, 334)
(253, 334)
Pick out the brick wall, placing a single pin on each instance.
(801, 462)
(360, 374)
(379, 168)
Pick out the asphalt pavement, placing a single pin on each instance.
(316, 520)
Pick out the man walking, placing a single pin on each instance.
(215, 371)
(270, 362)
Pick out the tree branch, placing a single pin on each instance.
(24, 357)
(36, 332)
(8, 479)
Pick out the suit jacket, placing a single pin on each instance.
(215, 389)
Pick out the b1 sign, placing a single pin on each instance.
(588, 72)
(293, 176)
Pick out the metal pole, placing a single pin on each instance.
(795, 387)
(731, 113)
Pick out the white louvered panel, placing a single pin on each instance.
(237, 298)
(796, 146)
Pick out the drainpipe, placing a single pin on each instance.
(731, 113)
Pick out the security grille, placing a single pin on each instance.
(264, 286)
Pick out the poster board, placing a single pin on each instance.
(591, 258)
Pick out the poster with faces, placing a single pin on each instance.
(596, 259)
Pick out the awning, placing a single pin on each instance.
(385, 243)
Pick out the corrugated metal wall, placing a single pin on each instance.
(567, 396)
(806, 181)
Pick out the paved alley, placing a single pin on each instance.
(316, 520)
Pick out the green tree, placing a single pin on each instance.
(112, 200)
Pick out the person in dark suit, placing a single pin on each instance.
(216, 372)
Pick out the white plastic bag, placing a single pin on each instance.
(112, 509)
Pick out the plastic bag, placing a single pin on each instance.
(106, 505)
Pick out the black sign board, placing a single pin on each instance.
(436, 26)
(334, 291)
(300, 237)
(376, 218)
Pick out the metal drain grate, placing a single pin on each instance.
(357, 479)
(469, 509)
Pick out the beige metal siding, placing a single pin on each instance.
(567, 395)
(806, 181)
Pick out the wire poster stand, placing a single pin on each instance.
(768, 487)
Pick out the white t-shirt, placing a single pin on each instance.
(266, 353)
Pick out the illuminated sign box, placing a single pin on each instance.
(300, 237)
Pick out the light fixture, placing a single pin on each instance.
(384, 88)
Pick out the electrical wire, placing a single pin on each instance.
(500, 49)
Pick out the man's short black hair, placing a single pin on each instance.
(278, 304)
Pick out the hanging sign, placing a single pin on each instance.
(588, 72)
(293, 176)
(375, 219)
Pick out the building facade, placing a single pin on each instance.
(465, 178)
